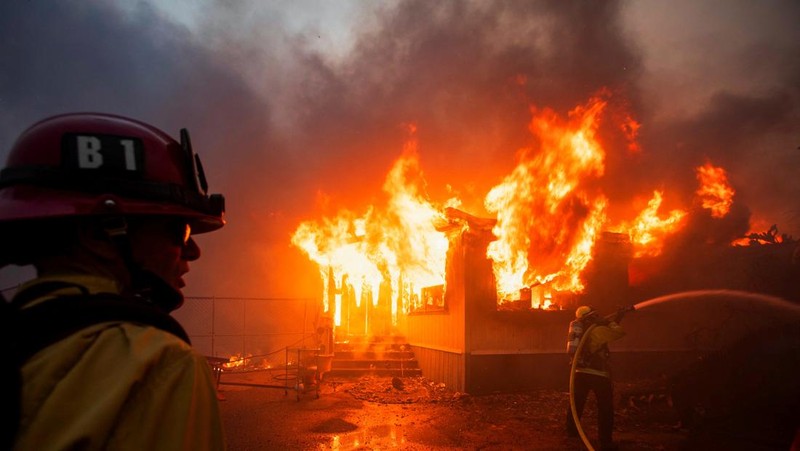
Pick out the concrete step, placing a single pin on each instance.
(363, 342)
(374, 355)
(374, 346)
(383, 355)
(372, 363)
(356, 372)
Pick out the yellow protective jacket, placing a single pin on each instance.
(117, 386)
(595, 350)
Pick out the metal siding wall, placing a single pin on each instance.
(438, 338)
(441, 366)
(443, 330)
(524, 331)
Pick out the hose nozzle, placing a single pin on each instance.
(617, 316)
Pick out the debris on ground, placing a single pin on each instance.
(415, 413)
(406, 390)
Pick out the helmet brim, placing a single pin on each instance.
(35, 203)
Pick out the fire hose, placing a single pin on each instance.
(572, 406)
(573, 409)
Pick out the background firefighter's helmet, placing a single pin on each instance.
(90, 164)
(584, 311)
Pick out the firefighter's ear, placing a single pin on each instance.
(95, 246)
(86, 251)
(93, 236)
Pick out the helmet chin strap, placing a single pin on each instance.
(144, 285)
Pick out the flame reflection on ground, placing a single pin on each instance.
(374, 437)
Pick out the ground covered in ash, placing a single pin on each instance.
(413, 413)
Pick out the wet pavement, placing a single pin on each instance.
(371, 413)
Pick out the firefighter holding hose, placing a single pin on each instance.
(591, 370)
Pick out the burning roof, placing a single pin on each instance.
(548, 213)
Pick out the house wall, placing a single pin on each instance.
(507, 350)
(473, 347)
(437, 338)
(441, 366)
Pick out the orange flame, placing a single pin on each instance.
(549, 213)
(770, 236)
(236, 361)
(398, 243)
(715, 193)
(547, 219)
(648, 230)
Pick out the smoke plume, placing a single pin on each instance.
(289, 132)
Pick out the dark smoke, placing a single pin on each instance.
(467, 73)
(288, 133)
(59, 57)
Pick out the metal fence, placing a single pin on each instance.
(258, 327)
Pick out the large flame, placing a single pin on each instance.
(715, 193)
(549, 213)
(397, 244)
(547, 217)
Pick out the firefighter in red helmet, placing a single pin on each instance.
(105, 209)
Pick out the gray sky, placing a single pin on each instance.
(289, 99)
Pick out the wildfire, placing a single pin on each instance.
(715, 193)
(547, 218)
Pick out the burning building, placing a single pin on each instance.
(485, 301)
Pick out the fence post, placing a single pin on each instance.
(213, 328)
(244, 327)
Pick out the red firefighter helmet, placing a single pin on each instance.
(88, 164)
